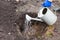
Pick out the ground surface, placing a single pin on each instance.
(12, 20)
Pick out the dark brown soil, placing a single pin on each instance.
(12, 20)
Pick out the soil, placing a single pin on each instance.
(12, 21)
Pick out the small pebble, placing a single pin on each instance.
(9, 33)
(17, 0)
(16, 10)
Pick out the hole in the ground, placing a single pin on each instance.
(21, 21)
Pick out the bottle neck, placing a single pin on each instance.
(50, 0)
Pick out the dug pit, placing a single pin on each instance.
(36, 28)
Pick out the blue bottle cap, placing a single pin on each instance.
(47, 4)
